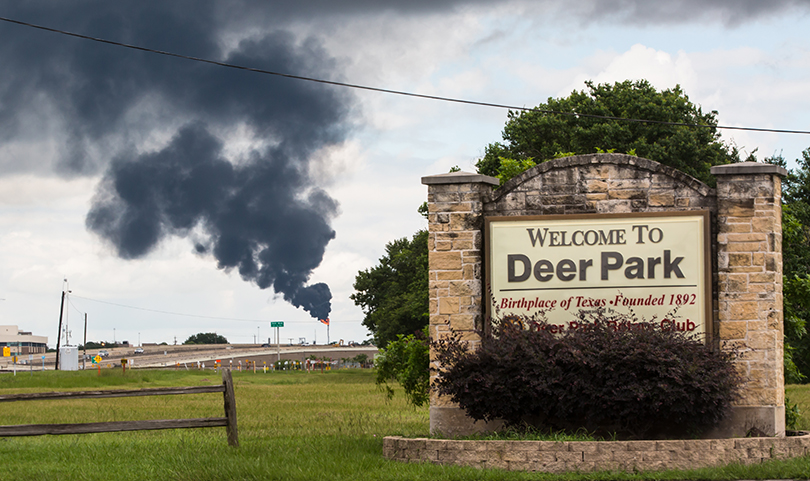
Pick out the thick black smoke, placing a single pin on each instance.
(260, 217)
(155, 127)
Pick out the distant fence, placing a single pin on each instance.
(229, 421)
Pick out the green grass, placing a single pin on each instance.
(800, 395)
(292, 426)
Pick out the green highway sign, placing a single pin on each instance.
(277, 324)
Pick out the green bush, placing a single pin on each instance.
(406, 361)
(609, 376)
(792, 414)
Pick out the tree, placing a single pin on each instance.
(206, 338)
(394, 294)
(539, 135)
(796, 266)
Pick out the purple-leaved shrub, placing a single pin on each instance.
(611, 376)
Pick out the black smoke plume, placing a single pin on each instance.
(261, 217)
(157, 128)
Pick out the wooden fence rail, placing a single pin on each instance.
(229, 421)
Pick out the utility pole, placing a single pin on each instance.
(59, 337)
(84, 358)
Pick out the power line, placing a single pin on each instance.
(191, 315)
(76, 308)
(390, 91)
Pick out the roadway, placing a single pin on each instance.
(165, 356)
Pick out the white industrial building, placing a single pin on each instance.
(21, 342)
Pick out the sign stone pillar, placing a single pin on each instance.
(749, 275)
(455, 250)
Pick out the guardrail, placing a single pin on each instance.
(229, 421)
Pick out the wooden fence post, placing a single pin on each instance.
(230, 408)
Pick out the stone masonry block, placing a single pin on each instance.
(440, 197)
(662, 200)
(627, 457)
(462, 222)
(678, 445)
(613, 207)
(468, 458)
(747, 237)
(632, 184)
(597, 457)
(737, 208)
(640, 446)
(595, 447)
(743, 310)
(462, 244)
(449, 275)
(462, 321)
(763, 224)
(762, 340)
(460, 288)
(596, 186)
(448, 305)
(627, 194)
(444, 260)
(569, 456)
(731, 228)
(443, 246)
(760, 397)
(745, 247)
(450, 207)
(769, 277)
(732, 330)
(555, 446)
(737, 283)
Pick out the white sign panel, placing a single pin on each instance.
(655, 266)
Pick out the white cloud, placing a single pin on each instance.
(661, 69)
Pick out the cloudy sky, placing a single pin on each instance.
(178, 197)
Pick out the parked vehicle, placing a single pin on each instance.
(103, 353)
(138, 350)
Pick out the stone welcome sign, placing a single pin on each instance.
(617, 231)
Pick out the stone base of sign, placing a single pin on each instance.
(588, 456)
(453, 421)
(751, 420)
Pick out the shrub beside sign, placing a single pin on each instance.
(656, 266)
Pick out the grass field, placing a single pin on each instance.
(292, 426)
